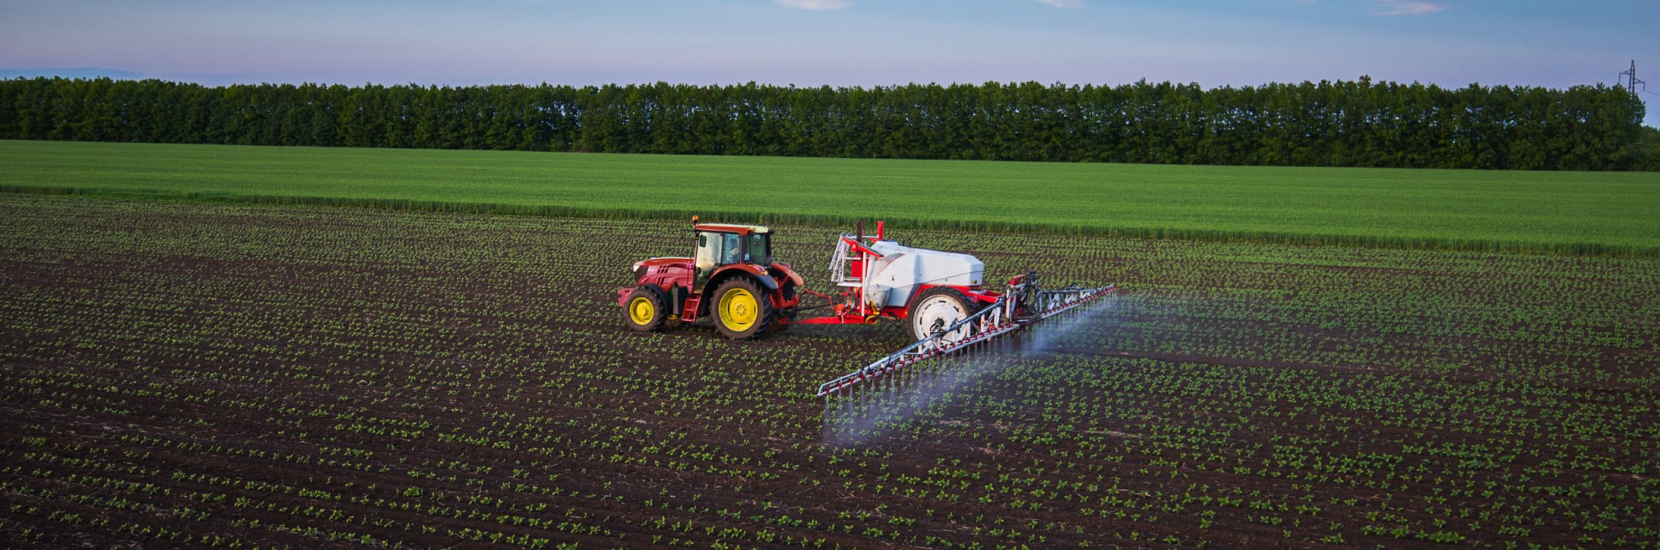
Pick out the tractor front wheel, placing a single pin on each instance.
(646, 309)
(741, 309)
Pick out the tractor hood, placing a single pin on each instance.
(661, 262)
(653, 266)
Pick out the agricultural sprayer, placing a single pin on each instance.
(940, 296)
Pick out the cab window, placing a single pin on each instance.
(731, 248)
(708, 250)
(760, 249)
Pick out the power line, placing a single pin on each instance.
(1632, 82)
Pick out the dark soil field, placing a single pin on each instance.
(199, 375)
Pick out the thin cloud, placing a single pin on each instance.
(815, 5)
(1410, 7)
(1064, 3)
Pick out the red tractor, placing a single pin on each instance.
(731, 278)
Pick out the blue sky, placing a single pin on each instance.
(839, 42)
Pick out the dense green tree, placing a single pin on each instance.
(1344, 123)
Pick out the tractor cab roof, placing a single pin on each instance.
(730, 228)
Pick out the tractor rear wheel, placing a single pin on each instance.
(741, 309)
(646, 309)
(938, 308)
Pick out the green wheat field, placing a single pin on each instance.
(1561, 212)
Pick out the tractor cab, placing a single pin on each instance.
(719, 245)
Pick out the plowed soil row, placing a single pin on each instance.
(187, 374)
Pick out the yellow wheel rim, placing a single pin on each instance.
(641, 311)
(738, 309)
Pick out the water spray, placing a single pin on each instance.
(859, 413)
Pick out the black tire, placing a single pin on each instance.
(650, 321)
(935, 297)
(730, 317)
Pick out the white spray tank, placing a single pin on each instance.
(901, 271)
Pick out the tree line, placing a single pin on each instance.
(1343, 123)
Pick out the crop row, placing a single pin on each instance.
(289, 376)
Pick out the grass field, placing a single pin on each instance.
(1601, 213)
(260, 376)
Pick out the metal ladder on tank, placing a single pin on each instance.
(838, 264)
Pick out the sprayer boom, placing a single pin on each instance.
(1024, 303)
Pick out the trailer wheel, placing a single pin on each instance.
(937, 308)
(741, 310)
(646, 309)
